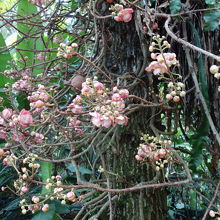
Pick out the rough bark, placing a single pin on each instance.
(124, 57)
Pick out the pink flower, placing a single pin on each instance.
(170, 59)
(77, 100)
(119, 106)
(86, 90)
(157, 67)
(3, 134)
(74, 122)
(116, 97)
(141, 153)
(96, 119)
(2, 121)
(39, 104)
(75, 108)
(25, 118)
(124, 15)
(137, 157)
(18, 137)
(153, 56)
(40, 56)
(45, 208)
(7, 113)
(121, 120)
(24, 189)
(70, 195)
(124, 93)
(107, 121)
(98, 85)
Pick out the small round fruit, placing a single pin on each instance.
(183, 94)
(169, 97)
(173, 93)
(214, 69)
(176, 98)
(217, 75)
(77, 81)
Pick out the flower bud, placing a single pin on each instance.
(214, 69)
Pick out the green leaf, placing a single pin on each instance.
(62, 209)
(175, 6)
(49, 215)
(22, 101)
(5, 57)
(82, 169)
(211, 20)
(46, 170)
(25, 8)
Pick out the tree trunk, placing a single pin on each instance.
(125, 57)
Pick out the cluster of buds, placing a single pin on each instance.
(10, 159)
(121, 14)
(24, 118)
(37, 137)
(58, 193)
(31, 161)
(21, 85)
(67, 51)
(40, 56)
(36, 206)
(154, 150)
(39, 98)
(108, 104)
(24, 83)
(41, 202)
(9, 119)
(214, 69)
(163, 61)
(162, 64)
(21, 186)
(176, 90)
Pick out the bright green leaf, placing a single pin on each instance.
(46, 170)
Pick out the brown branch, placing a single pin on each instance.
(125, 190)
(187, 44)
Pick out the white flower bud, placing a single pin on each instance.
(214, 69)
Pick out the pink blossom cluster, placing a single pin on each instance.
(162, 63)
(37, 137)
(24, 118)
(108, 106)
(154, 150)
(151, 153)
(121, 14)
(41, 56)
(125, 15)
(39, 98)
(67, 51)
(24, 83)
(21, 85)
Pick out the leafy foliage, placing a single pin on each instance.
(175, 6)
